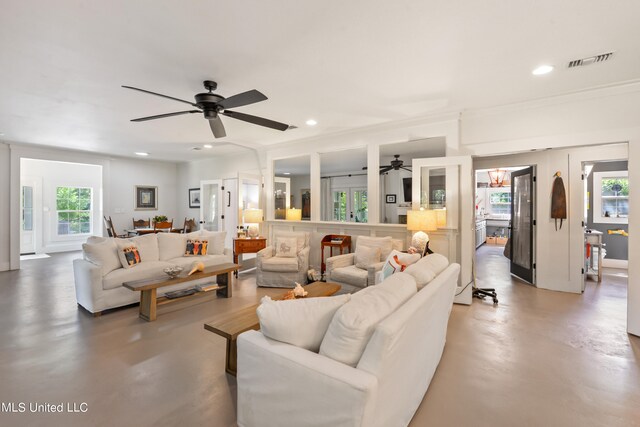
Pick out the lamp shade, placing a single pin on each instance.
(422, 220)
(294, 214)
(252, 216)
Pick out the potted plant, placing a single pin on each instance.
(160, 218)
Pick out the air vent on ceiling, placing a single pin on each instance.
(590, 60)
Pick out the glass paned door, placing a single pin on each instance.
(27, 240)
(350, 205)
(339, 198)
(522, 224)
(211, 205)
(359, 205)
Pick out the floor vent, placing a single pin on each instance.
(590, 60)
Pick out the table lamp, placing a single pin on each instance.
(253, 217)
(441, 216)
(294, 214)
(421, 221)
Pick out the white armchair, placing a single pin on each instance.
(342, 268)
(283, 272)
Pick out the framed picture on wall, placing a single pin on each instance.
(146, 198)
(305, 196)
(194, 197)
(391, 198)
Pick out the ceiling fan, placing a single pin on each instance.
(395, 164)
(213, 105)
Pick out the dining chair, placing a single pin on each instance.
(163, 226)
(141, 223)
(111, 230)
(190, 225)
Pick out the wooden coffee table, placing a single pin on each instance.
(230, 325)
(148, 287)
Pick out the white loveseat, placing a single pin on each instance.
(99, 274)
(280, 384)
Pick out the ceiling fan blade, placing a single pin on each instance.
(161, 95)
(217, 127)
(386, 169)
(407, 169)
(161, 116)
(244, 98)
(261, 121)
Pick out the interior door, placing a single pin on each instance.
(211, 211)
(522, 201)
(27, 234)
(448, 182)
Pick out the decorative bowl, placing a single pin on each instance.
(173, 272)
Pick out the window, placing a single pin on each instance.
(339, 205)
(500, 202)
(73, 206)
(611, 197)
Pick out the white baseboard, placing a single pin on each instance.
(615, 263)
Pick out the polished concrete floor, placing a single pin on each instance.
(539, 358)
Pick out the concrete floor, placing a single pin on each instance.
(539, 358)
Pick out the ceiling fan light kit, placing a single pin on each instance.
(212, 105)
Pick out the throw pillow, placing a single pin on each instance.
(128, 254)
(286, 247)
(171, 245)
(366, 256)
(300, 322)
(384, 243)
(103, 253)
(215, 240)
(398, 261)
(354, 323)
(196, 247)
(147, 246)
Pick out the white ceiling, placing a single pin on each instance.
(348, 64)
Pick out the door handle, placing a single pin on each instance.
(229, 202)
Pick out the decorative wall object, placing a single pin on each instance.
(146, 198)
(558, 200)
(194, 198)
(306, 203)
(391, 198)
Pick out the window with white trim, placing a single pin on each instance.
(73, 208)
(611, 197)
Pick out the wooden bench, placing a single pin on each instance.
(148, 287)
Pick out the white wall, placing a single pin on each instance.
(59, 174)
(119, 176)
(190, 174)
(125, 174)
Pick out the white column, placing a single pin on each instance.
(633, 287)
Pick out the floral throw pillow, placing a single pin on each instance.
(196, 247)
(286, 247)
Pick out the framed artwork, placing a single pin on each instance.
(194, 197)
(146, 198)
(391, 198)
(305, 196)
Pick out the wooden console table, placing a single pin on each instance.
(149, 287)
(247, 245)
(230, 325)
(333, 241)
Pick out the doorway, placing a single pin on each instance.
(606, 218)
(504, 223)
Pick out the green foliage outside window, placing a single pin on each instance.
(73, 207)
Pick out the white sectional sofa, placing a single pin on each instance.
(99, 274)
(374, 364)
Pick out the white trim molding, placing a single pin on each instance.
(597, 197)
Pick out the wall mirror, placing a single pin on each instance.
(395, 175)
(292, 188)
(343, 184)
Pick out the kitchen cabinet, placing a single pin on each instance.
(481, 232)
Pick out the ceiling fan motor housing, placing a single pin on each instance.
(209, 104)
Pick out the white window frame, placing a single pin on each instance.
(597, 197)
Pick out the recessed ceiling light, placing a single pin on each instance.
(287, 173)
(208, 146)
(311, 122)
(543, 69)
(141, 153)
